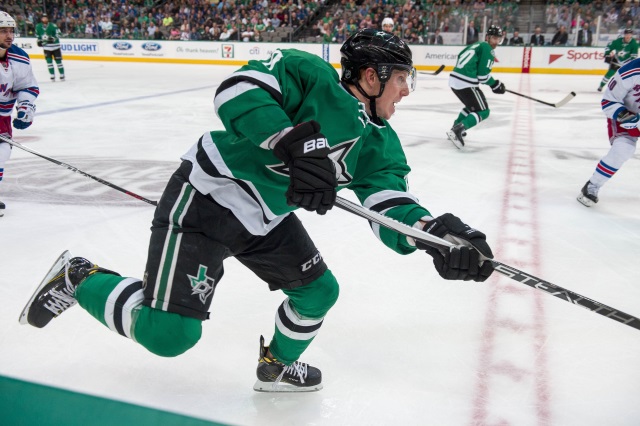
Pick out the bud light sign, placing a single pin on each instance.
(78, 47)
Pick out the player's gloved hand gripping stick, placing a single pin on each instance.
(460, 261)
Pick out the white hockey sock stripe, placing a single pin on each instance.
(289, 323)
(122, 300)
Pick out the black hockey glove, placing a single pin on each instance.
(498, 87)
(462, 262)
(39, 43)
(312, 173)
(608, 59)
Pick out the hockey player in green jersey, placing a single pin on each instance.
(48, 35)
(294, 133)
(617, 53)
(472, 69)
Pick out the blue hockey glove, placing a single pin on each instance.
(26, 111)
(627, 119)
(312, 173)
(466, 261)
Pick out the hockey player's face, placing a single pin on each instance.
(397, 87)
(6, 37)
(494, 41)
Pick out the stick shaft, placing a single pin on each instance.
(436, 72)
(556, 105)
(76, 170)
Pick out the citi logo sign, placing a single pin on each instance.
(122, 45)
(151, 46)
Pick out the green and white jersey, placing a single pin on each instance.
(238, 169)
(473, 66)
(49, 36)
(624, 51)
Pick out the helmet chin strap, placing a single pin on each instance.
(372, 101)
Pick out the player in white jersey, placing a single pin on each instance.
(18, 87)
(620, 104)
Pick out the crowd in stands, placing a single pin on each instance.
(416, 21)
(245, 20)
(576, 16)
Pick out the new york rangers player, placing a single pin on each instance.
(18, 87)
(620, 103)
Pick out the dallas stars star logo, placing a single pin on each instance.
(338, 153)
(202, 285)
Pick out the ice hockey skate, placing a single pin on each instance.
(2, 208)
(588, 195)
(274, 376)
(456, 135)
(55, 294)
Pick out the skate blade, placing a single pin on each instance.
(585, 201)
(454, 140)
(64, 258)
(261, 386)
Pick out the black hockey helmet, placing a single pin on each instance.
(377, 49)
(380, 50)
(628, 31)
(495, 30)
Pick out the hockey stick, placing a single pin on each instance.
(436, 72)
(556, 105)
(75, 169)
(508, 271)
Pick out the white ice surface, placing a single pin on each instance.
(401, 346)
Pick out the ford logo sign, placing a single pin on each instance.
(122, 45)
(151, 46)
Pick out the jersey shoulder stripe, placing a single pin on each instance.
(630, 69)
(16, 54)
